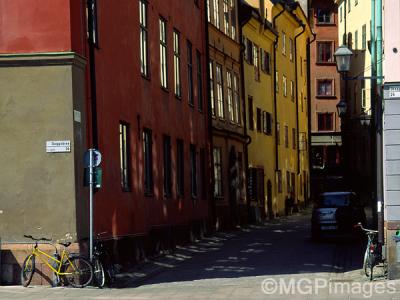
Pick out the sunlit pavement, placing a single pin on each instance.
(274, 261)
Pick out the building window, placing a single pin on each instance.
(217, 153)
(293, 138)
(226, 17)
(177, 64)
(208, 11)
(251, 113)
(199, 81)
(193, 170)
(364, 37)
(292, 90)
(288, 186)
(283, 43)
(180, 170)
(302, 101)
(325, 88)
(236, 98)
(325, 54)
(279, 179)
(212, 98)
(341, 13)
(233, 20)
(268, 123)
(92, 23)
(163, 53)
(363, 95)
(124, 156)
(167, 166)
(356, 40)
(291, 49)
(258, 116)
(256, 63)
(278, 133)
(190, 73)
(286, 136)
(325, 121)
(265, 62)
(248, 51)
(216, 13)
(144, 65)
(324, 16)
(220, 93)
(276, 81)
(284, 82)
(203, 173)
(348, 5)
(230, 95)
(148, 161)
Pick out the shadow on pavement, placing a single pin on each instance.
(281, 247)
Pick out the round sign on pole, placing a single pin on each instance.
(96, 158)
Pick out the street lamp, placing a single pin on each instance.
(341, 108)
(342, 57)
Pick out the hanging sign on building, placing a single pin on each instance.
(58, 146)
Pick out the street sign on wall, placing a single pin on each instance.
(58, 146)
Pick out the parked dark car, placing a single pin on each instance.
(336, 212)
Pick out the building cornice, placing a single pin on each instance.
(42, 59)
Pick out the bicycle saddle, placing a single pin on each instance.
(65, 244)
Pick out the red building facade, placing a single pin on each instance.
(150, 79)
(136, 90)
(325, 90)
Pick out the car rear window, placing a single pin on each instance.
(334, 200)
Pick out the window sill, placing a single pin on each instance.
(326, 24)
(165, 89)
(178, 97)
(325, 63)
(328, 97)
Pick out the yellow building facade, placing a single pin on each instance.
(276, 39)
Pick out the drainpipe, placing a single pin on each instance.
(309, 42)
(275, 104)
(212, 208)
(379, 112)
(92, 74)
(297, 95)
(243, 20)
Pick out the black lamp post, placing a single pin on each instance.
(342, 57)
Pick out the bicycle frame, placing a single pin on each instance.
(64, 257)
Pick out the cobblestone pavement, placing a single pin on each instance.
(275, 261)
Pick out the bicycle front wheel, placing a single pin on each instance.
(27, 270)
(78, 271)
(99, 274)
(367, 263)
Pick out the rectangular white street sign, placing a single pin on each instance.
(58, 146)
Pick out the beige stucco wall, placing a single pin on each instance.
(39, 190)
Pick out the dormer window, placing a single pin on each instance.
(324, 16)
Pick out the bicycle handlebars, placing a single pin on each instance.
(365, 229)
(37, 239)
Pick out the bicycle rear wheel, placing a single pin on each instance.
(27, 270)
(367, 263)
(79, 271)
(99, 274)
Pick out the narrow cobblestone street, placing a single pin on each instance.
(234, 265)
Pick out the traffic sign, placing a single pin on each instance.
(96, 158)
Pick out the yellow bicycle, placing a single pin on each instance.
(77, 270)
